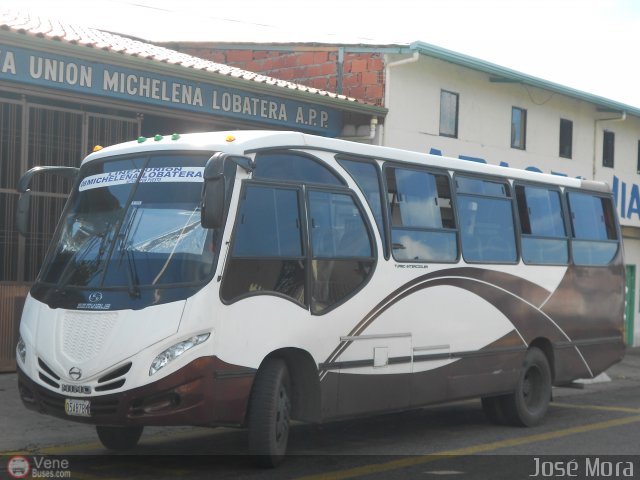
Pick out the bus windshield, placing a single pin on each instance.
(134, 222)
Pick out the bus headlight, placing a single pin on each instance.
(21, 349)
(175, 351)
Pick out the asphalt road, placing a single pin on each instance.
(592, 432)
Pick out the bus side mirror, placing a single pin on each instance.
(23, 213)
(213, 196)
(212, 208)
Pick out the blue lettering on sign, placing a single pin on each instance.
(436, 151)
(71, 74)
(627, 199)
(472, 159)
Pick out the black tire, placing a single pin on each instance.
(269, 414)
(528, 405)
(494, 410)
(119, 438)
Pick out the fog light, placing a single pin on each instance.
(162, 402)
(173, 352)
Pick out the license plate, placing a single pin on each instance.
(78, 408)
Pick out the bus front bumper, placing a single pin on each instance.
(207, 391)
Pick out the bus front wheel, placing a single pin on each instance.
(528, 404)
(270, 413)
(119, 438)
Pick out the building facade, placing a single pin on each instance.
(446, 103)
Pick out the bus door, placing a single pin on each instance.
(343, 259)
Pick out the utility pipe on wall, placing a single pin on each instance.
(387, 78)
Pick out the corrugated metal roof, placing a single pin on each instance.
(56, 30)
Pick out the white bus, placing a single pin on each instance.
(250, 278)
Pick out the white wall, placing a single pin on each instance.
(485, 122)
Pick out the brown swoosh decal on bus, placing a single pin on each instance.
(518, 299)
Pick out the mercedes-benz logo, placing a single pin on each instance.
(75, 373)
(95, 297)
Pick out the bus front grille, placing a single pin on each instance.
(47, 375)
(85, 333)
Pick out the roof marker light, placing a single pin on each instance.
(157, 138)
(97, 148)
(230, 138)
(175, 136)
(142, 139)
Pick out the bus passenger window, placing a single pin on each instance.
(544, 238)
(267, 253)
(422, 220)
(486, 221)
(595, 239)
(366, 176)
(341, 245)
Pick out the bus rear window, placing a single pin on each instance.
(594, 232)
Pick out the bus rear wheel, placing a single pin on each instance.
(119, 438)
(270, 414)
(529, 403)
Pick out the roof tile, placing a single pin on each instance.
(56, 30)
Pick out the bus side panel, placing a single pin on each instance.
(491, 370)
(485, 373)
(589, 307)
(568, 364)
(329, 395)
(231, 392)
(372, 393)
(601, 357)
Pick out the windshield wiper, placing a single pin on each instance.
(132, 275)
(133, 281)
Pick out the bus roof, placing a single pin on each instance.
(241, 142)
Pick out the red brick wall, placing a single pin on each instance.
(362, 73)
